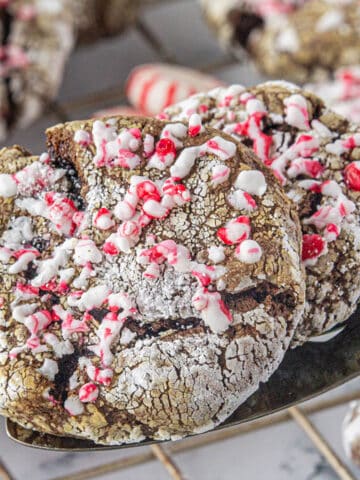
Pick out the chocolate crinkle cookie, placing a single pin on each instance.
(342, 92)
(138, 301)
(315, 155)
(37, 38)
(99, 19)
(297, 40)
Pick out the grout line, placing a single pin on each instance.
(321, 444)
(204, 440)
(167, 461)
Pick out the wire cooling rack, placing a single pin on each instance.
(115, 95)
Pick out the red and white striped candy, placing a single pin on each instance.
(352, 176)
(331, 232)
(241, 200)
(213, 310)
(152, 87)
(152, 271)
(220, 173)
(305, 166)
(297, 113)
(103, 219)
(235, 231)
(88, 393)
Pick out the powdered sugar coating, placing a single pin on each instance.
(201, 333)
(313, 152)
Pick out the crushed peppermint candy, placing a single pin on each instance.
(235, 231)
(297, 158)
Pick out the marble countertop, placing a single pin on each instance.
(278, 452)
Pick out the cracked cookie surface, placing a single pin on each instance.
(314, 153)
(154, 307)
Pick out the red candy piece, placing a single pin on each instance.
(313, 246)
(225, 310)
(314, 168)
(165, 146)
(147, 190)
(352, 176)
(110, 248)
(249, 199)
(195, 130)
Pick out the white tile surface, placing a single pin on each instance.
(281, 451)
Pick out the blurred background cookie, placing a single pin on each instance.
(37, 38)
(297, 40)
(341, 94)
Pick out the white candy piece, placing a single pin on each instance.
(73, 406)
(49, 369)
(94, 297)
(297, 113)
(8, 186)
(86, 251)
(249, 251)
(82, 137)
(251, 181)
(22, 263)
(216, 254)
(238, 200)
(209, 304)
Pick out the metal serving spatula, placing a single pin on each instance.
(304, 373)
